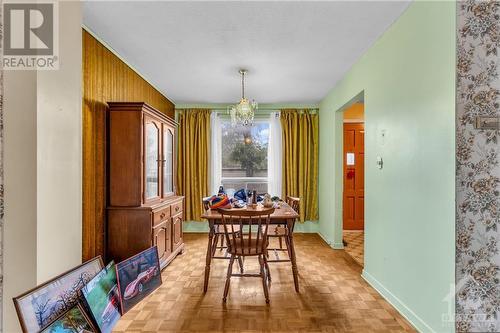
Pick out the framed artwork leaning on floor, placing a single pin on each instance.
(103, 299)
(137, 277)
(73, 320)
(40, 306)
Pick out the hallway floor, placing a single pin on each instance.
(333, 297)
(354, 245)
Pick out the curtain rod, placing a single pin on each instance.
(266, 109)
(260, 108)
(261, 111)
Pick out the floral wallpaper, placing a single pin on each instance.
(478, 169)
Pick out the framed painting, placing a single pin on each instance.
(73, 320)
(40, 306)
(103, 299)
(137, 277)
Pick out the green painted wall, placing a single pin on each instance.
(408, 79)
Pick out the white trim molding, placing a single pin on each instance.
(404, 310)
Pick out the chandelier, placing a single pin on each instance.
(243, 112)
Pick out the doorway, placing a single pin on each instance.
(353, 181)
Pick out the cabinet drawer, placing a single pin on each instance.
(161, 215)
(176, 208)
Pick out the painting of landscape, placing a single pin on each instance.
(72, 321)
(41, 306)
(138, 276)
(103, 299)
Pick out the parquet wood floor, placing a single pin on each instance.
(354, 245)
(333, 297)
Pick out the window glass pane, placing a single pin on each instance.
(151, 160)
(233, 185)
(168, 139)
(244, 150)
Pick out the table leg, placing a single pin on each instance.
(293, 259)
(209, 254)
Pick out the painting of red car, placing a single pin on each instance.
(137, 286)
(138, 276)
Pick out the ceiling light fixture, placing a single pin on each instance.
(243, 112)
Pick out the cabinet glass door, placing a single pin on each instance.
(168, 162)
(151, 160)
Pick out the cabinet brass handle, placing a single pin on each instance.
(176, 208)
(162, 215)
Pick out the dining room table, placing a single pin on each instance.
(283, 215)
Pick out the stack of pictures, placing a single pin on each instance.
(40, 307)
(90, 297)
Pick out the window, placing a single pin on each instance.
(246, 157)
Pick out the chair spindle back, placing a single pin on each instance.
(253, 227)
(294, 202)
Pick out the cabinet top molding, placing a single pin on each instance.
(134, 106)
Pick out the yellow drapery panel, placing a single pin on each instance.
(193, 160)
(300, 160)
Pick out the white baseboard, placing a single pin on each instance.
(325, 239)
(405, 311)
(195, 227)
(307, 227)
(338, 246)
(333, 245)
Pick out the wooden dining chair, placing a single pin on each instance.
(280, 231)
(294, 202)
(250, 241)
(219, 235)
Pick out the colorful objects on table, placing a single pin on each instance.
(267, 202)
(221, 201)
(221, 190)
(241, 195)
(238, 204)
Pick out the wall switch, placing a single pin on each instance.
(380, 162)
(487, 123)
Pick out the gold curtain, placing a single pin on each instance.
(193, 160)
(300, 160)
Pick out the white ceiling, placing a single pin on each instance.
(295, 51)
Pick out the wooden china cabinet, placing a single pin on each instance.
(143, 209)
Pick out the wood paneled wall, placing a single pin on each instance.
(105, 79)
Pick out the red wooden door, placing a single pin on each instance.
(354, 176)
